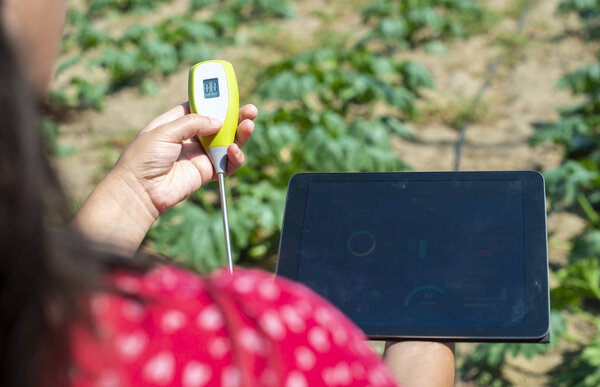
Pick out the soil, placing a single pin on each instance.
(521, 93)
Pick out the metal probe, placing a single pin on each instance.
(225, 220)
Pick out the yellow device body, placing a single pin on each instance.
(213, 92)
(221, 101)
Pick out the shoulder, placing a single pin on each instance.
(230, 328)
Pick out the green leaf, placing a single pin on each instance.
(436, 47)
(149, 87)
(567, 181)
(586, 245)
(578, 281)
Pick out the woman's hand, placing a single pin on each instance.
(162, 166)
(167, 161)
(421, 363)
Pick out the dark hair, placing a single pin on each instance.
(45, 267)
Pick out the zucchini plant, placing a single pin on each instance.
(298, 136)
(573, 186)
(405, 24)
(321, 119)
(144, 52)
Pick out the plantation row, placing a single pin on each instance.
(143, 52)
(321, 121)
(573, 186)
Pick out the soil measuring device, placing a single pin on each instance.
(213, 92)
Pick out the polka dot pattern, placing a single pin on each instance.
(195, 374)
(180, 329)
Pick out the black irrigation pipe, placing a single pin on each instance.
(490, 74)
(470, 144)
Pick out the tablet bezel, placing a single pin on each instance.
(535, 242)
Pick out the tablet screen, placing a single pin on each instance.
(419, 253)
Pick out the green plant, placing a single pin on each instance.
(573, 185)
(484, 365)
(315, 126)
(404, 24)
(588, 11)
(338, 79)
(81, 33)
(578, 291)
(454, 112)
(50, 133)
(322, 118)
(581, 367)
(150, 50)
(101, 7)
(322, 115)
(248, 9)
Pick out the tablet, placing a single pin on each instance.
(458, 256)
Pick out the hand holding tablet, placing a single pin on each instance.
(459, 256)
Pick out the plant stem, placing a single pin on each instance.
(587, 208)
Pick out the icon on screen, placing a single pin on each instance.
(427, 294)
(361, 243)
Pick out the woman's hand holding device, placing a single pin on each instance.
(420, 363)
(162, 166)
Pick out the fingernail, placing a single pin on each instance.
(216, 122)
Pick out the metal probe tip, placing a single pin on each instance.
(225, 221)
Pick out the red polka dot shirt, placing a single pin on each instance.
(245, 329)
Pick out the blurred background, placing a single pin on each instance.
(362, 85)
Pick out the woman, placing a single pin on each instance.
(75, 311)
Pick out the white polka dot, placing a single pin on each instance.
(292, 319)
(268, 290)
(219, 347)
(338, 375)
(304, 308)
(340, 335)
(359, 347)
(251, 341)
(296, 379)
(243, 284)
(172, 320)
(168, 278)
(130, 346)
(133, 311)
(377, 375)
(128, 283)
(317, 337)
(195, 374)
(210, 318)
(305, 359)
(230, 377)
(323, 317)
(271, 324)
(160, 369)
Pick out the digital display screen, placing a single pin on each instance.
(417, 253)
(211, 88)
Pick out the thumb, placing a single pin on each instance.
(187, 127)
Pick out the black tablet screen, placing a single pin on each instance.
(417, 253)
